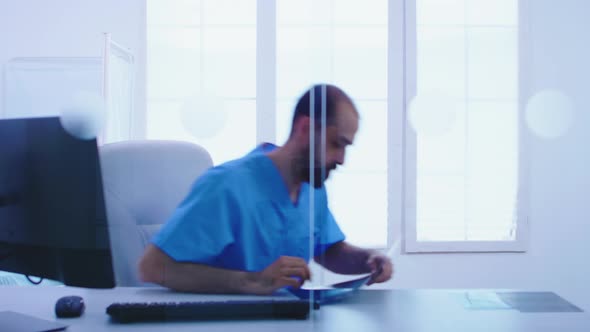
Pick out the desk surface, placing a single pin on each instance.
(368, 310)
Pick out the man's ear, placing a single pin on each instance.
(302, 129)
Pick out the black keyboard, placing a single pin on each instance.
(209, 310)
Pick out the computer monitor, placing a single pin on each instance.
(52, 210)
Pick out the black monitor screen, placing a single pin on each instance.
(52, 211)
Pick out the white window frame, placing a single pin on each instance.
(408, 156)
(266, 71)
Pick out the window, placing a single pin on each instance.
(206, 63)
(228, 79)
(463, 132)
(201, 69)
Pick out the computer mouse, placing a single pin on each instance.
(69, 306)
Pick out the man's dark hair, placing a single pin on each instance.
(330, 94)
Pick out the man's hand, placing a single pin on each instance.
(381, 268)
(285, 271)
(345, 258)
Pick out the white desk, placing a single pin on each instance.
(368, 310)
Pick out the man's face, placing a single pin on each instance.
(338, 136)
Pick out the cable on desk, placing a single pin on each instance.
(33, 281)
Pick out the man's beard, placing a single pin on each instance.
(319, 177)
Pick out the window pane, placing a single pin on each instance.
(441, 61)
(229, 61)
(174, 37)
(236, 135)
(492, 63)
(173, 62)
(177, 12)
(303, 12)
(303, 58)
(493, 163)
(466, 165)
(447, 12)
(229, 12)
(363, 221)
(496, 12)
(475, 201)
(444, 153)
(440, 207)
(360, 12)
(360, 61)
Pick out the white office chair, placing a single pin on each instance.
(144, 181)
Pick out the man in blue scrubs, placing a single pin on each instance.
(245, 226)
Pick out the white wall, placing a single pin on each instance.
(559, 182)
(72, 28)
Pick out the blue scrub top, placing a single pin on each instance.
(239, 216)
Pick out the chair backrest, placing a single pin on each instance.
(144, 181)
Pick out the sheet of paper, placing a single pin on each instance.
(484, 300)
(537, 302)
(353, 281)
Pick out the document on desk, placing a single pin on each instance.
(17, 322)
(355, 281)
(537, 302)
(484, 300)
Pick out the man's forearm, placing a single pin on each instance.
(157, 267)
(345, 258)
(190, 277)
